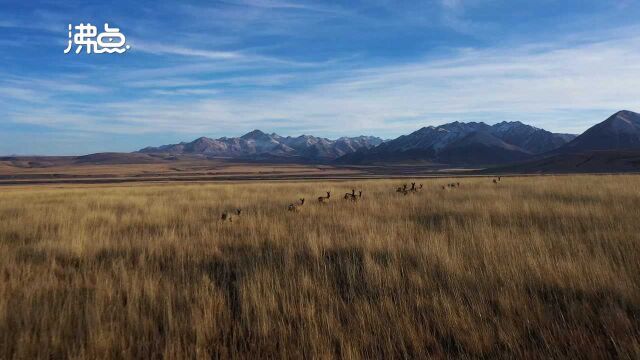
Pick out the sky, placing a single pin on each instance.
(325, 68)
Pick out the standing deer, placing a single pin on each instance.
(414, 188)
(296, 207)
(324, 199)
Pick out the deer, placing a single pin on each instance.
(228, 216)
(295, 207)
(350, 195)
(495, 181)
(414, 188)
(324, 199)
(353, 196)
(402, 189)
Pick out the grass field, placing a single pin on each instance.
(533, 267)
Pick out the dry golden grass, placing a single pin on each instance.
(530, 268)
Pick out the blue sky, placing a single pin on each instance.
(327, 68)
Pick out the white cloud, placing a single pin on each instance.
(183, 51)
(561, 87)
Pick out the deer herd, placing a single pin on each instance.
(349, 196)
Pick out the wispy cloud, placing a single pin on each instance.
(183, 51)
(535, 84)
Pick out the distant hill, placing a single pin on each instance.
(621, 131)
(259, 145)
(610, 146)
(464, 144)
(109, 158)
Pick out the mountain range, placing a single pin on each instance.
(464, 144)
(457, 144)
(257, 145)
(507, 147)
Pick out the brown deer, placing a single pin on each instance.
(414, 188)
(324, 199)
(495, 181)
(351, 195)
(295, 207)
(403, 189)
(228, 216)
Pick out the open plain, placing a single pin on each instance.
(528, 267)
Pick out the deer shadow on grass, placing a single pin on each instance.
(234, 265)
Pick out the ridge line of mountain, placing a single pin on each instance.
(258, 144)
(455, 143)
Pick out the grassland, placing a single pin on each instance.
(529, 268)
(41, 170)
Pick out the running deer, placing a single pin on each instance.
(296, 206)
(324, 199)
